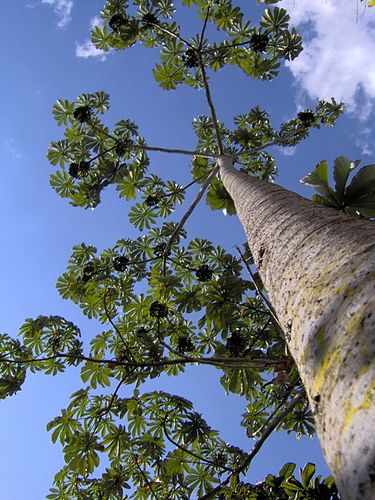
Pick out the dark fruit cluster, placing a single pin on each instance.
(120, 263)
(184, 344)
(220, 459)
(158, 310)
(190, 58)
(121, 149)
(203, 273)
(236, 343)
(88, 272)
(159, 250)
(307, 118)
(80, 169)
(117, 22)
(149, 20)
(142, 332)
(82, 114)
(122, 356)
(151, 200)
(259, 42)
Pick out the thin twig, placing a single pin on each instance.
(274, 317)
(115, 327)
(273, 423)
(189, 211)
(189, 452)
(182, 188)
(178, 151)
(224, 47)
(153, 148)
(171, 33)
(146, 480)
(204, 29)
(211, 105)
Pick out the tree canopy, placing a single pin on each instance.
(168, 299)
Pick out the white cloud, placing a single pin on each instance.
(63, 9)
(11, 149)
(338, 57)
(365, 140)
(288, 150)
(87, 48)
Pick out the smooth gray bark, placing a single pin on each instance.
(318, 266)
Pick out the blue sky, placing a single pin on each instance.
(46, 55)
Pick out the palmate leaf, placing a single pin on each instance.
(240, 381)
(168, 76)
(129, 185)
(202, 479)
(277, 19)
(81, 452)
(63, 184)
(96, 374)
(226, 16)
(142, 216)
(64, 426)
(101, 38)
(59, 152)
(62, 111)
(256, 67)
(358, 197)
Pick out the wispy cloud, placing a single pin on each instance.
(87, 48)
(63, 9)
(11, 150)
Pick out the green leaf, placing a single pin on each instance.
(167, 76)
(362, 184)
(307, 474)
(292, 487)
(318, 178)
(63, 184)
(59, 152)
(343, 167)
(101, 38)
(287, 470)
(62, 111)
(218, 198)
(142, 216)
(277, 19)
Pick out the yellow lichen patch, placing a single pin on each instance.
(305, 355)
(320, 337)
(330, 360)
(336, 463)
(364, 369)
(354, 322)
(352, 410)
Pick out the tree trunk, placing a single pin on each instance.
(318, 266)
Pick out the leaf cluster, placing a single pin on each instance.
(356, 197)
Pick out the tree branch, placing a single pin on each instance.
(273, 423)
(189, 211)
(211, 105)
(189, 452)
(260, 362)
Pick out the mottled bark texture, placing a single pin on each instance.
(318, 266)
